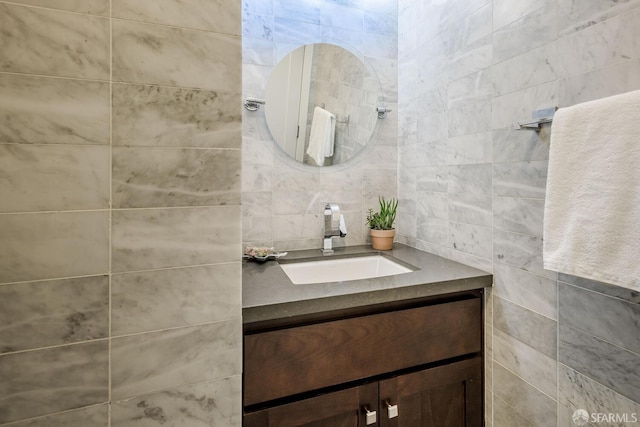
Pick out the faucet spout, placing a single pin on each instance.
(334, 225)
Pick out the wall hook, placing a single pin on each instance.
(253, 104)
(382, 112)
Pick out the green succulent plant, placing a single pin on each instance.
(383, 219)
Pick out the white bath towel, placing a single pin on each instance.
(322, 135)
(592, 207)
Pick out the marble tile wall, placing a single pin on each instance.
(120, 160)
(472, 189)
(283, 202)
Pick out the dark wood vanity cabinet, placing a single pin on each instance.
(417, 364)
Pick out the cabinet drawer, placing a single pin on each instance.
(299, 359)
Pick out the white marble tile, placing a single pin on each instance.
(291, 31)
(526, 400)
(505, 416)
(257, 51)
(537, 66)
(53, 177)
(94, 7)
(520, 179)
(432, 116)
(511, 145)
(471, 239)
(470, 209)
(432, 179)
(160, 116)
(617, 321)
(608, 364)
(578, 391)
(41, 314)
(53, 245)
(257, 231)
(80, 114)
(600, 45)
(471, 59)
(383, 156)
(530, 328)
(472, 117)
(30, 36)
(538, 294)
(177, 297)
(432, 230)
(433, 205)
(222, 16)
(431, 60)
(468, 30)
(257, 203)
(146, 177)
(159, 238)
(470, 149)
(141, 364)
(300, 11)
(144, 53)
(296, 227)
(519, 215)
(199, 405)
(93, 416)
(470, 88)
(613, 80)
(533, 30)
(518, 106)
(532, 366)
(577, 15)
(381, 23)
(520, 250)
(52, 380)
(432, 19)
(507, 11)
(264, 7)
(258, 26)
(473, 179)
(335, 15)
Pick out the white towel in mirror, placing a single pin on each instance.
(322, 137)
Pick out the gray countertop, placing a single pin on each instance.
(269, 294)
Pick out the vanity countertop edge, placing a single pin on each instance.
(268, 293)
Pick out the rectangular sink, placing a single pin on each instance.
(342, 269)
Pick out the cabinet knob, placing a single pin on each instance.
(370, 416)
(392, 410)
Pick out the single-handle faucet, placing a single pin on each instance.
(333, 226)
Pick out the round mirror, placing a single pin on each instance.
(321, 104)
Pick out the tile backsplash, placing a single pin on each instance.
(283, 202)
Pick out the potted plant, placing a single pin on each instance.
(381, 224)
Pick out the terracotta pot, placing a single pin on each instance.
(382, 240)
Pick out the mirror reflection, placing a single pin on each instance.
(321, 104)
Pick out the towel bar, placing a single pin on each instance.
(539, 117)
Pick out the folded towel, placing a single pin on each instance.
(592, 207)
(322, 136)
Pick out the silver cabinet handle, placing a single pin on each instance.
(370, 416)
(392, 410)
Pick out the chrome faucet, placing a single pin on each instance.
(333, 226)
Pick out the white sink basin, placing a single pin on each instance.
(342, 269)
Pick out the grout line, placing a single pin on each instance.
(526, 382)
(110, 239)
(42, 417)
(50, 347)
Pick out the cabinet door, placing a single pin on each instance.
(446, 396)
(345, 408)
